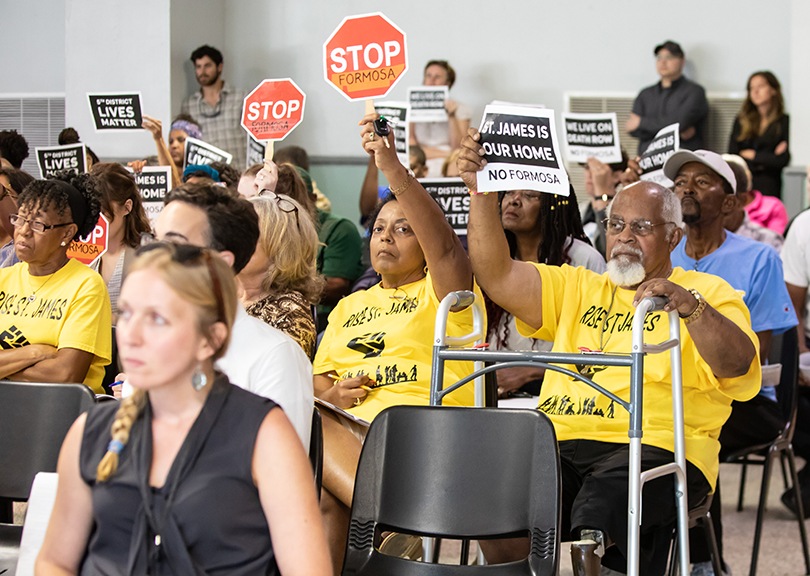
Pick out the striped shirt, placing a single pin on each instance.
(221, 125)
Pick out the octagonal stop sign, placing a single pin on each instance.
(273, 109)
(365, 56)
(89, 248)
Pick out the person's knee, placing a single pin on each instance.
(504, 550)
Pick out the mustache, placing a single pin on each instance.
(630, 249)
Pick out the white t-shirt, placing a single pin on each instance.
(796, 257)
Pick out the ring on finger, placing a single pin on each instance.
(358, 401)
(371, 135)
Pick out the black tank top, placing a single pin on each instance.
(206, 519)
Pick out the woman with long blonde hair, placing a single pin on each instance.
(191, 474)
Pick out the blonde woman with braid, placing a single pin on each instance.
(190, 475)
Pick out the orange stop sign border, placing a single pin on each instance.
(272, 114)
(376, 78)
(90, 251)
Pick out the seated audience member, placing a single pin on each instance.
(246, 188)
(260, 359)
(183, 127)
(438, 139)
(70, 136)
(602, 181)
(298, 157)
(200, 174)
(719, 352)
(541, 228)
(737, 220)
(13, 148)
(371, 193)
(55, 312)
(121, 205)
(190, 474)
(280, 284)
(13, 182)
(674, 99)
(761, 134)
(450, 165)
(165, 156)
(228, 175)
(705, 185)
(376, 351)
(767, 211)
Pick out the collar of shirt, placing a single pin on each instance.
(675, 83)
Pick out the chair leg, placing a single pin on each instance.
(782, 458)
(711, 542)
(742, 486)
(797, 493)
(465, 552)
(763, 499)
(674, 557)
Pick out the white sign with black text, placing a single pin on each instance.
(427, 103)
(255, 151)
(154, 182)
(397, 114)
(198, 152)
(51, 159)
(521, 150)
(116, 111)
(591, 136)
(453, 197)
(652, 161)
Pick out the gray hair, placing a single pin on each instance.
(670, 207)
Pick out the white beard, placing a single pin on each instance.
(626, 272)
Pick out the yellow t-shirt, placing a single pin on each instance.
(390, 340)
(70, 309)
(577, 305)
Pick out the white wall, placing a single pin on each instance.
(116, 46)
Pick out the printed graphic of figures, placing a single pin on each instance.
(394, 376)
(564, 406)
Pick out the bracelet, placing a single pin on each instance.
(477, 193)
(404, 186)
(698, 311)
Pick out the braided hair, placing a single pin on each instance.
(45, 195)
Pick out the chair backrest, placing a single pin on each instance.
(786, 345)
(34, 419)
(316, 449)
(456, 473)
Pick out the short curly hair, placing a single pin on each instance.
(13, 147)
(46, 195)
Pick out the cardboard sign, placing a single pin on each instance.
(51, 159)
(273, 109)
(452, 196)
(87, 249)
(116, 111)
(397, 114)
(365, 56)
(664, 145)
(522, 151)
(427, 103)
(255, 151)
(154, 182)
(592, 136)
(199, 152)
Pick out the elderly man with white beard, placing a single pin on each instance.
(581, 310)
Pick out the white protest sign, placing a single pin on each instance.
(198, 152)
(652, 161)
(522, 151)
(427, 103)
(154, 182)
(255, 151)
(116, 111)
(397, 114)
(51, 159)
(452, 196)
(592, 136)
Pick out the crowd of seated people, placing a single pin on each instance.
(250, 294)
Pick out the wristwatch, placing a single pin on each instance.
(698, 311)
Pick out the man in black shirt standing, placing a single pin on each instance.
(674, 99)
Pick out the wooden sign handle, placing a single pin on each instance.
(370, 106)
(268, 151)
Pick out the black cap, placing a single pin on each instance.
(672, 47)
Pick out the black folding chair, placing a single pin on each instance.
(439, 472)
(316, 449)
(34, 419)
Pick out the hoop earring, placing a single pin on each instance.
(199, 379)
(425, 270)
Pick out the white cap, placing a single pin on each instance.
(710, 159)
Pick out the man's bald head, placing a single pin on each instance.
(669, 207)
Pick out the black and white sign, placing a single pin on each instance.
(427, 103)
(154, 182)
(199, 152)
(51, 159)
(255, 151)
(453, 197)
(592, 136)
(397, 114)
(522, 151)
(664, 145)
(116, 111)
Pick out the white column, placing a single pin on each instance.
(797, 98)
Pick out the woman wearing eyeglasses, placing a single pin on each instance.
(54, 311)
(280, 284)
(376, 350)
(191, 474)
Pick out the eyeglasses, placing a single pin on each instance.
(6, 191)
(17, 221)
(527, 194)
(189, 254)
(284, 203)
(615, 226)
(665, 58)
